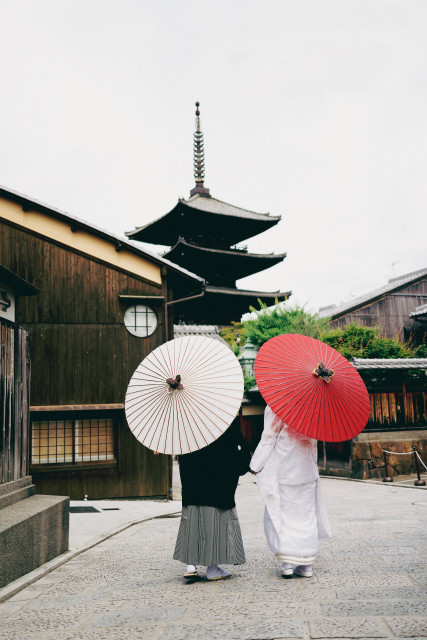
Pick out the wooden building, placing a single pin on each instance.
(398, 417)
(14, 379)
(396, 308)
(104, 305)
(33, 529)
(397, 421)
(204, 233)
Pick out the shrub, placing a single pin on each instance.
(356, 341)
(270, 322)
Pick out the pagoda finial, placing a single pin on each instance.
(199, 159)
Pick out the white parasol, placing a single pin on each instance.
(184, 395)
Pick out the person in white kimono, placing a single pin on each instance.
(285, 463)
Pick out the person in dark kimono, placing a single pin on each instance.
(209, 532)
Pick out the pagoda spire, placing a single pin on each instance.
(199, 159)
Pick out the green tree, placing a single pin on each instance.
(353, 341)
(281, 319)
(356, 341)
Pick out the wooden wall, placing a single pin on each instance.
(82, 353)
(391, 313)
(75, 325)
(398, 410)
(14, 402)
(138, 473)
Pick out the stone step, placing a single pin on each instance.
(32, 532)
(8, 487)
(13, 497)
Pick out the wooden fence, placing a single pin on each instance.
(14, 402)
(398, 410)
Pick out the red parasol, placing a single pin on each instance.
(312, 387)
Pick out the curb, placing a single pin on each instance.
(28, 579)
(372, 481)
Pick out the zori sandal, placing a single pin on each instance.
(222, 575)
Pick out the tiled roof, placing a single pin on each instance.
(245, 292)
(204, 217)
(390, 363)
(420, 312)
(394, 283)
(207, 330)
(212, 205)
(229, 252)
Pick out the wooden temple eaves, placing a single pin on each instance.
(225, 304)
(233, 263)
(212, 220)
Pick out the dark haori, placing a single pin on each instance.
(209, 532)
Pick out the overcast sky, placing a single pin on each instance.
(315, 110)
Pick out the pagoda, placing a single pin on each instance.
(203, 233)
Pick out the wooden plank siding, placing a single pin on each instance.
(14, 398)
(398, 410)
(82, 354)
(391, 313)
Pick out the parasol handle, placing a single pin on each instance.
(323, 372)
(174, 383)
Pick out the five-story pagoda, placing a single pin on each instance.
(203, 232)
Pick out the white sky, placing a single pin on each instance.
(311, 109)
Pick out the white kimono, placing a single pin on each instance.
(295, 515)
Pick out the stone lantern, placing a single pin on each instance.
(247, 358)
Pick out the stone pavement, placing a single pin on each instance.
(370, 580)
(110, 515)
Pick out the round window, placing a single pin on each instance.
(140, 320)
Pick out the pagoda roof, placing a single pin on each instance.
(212, 205)
(222, 305)
(262, 295)
(202, 216)
(205, 260)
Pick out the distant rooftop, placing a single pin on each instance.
(390, 363)
(393, 283)
(420, 312)
(207, 330)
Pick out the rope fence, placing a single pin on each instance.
(417, 458)
(421, 460)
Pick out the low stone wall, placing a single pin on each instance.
(368, 459)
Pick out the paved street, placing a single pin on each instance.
(370, 580)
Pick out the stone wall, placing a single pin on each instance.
(367, 454)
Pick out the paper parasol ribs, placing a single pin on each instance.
(184, 395)
(312, 387)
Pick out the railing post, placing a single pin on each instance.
(387, 477)
(418, 482)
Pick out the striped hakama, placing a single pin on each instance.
(209, 536)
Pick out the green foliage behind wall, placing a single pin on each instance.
(353, 341)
